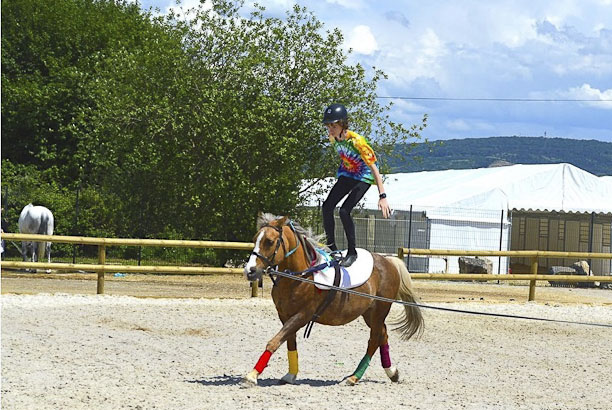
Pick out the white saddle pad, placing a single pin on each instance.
(355, 275)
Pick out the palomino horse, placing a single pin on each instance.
(284, 243)
(36, 220)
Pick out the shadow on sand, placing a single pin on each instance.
(229, 380)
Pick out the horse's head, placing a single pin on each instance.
(271, 246)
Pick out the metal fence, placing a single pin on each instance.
(425, 227)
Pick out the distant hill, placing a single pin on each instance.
(590, 155)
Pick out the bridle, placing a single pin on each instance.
(280, 242)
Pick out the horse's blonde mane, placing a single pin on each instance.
(316, 241)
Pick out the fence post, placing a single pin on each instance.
(409, 237)
(76, 222)
(101, 261)
(501, 235)
(254, 289)
(371, 233)
(532, 283)
(591, 231)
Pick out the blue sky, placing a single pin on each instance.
(485, 51)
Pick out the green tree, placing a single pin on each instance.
(191, 125)
(49, 55)
(55, 65)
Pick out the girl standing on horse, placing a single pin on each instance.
(356, 173)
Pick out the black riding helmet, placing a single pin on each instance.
(335, 113)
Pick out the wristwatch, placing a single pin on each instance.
(383, 195)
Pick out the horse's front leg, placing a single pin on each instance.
(290, 327)
(292, 358)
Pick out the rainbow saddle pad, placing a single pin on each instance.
(355, 275)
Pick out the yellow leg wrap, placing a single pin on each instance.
(292, 355)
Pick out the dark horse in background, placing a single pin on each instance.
(286, 244)
(36, 220)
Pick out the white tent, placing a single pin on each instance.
(488, 191)
(550, 187)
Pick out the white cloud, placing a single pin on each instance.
(416, 60)
(432, 47)
(361, 40)
(458, 125)
(472, 125)
(349, 4)
(586, 92)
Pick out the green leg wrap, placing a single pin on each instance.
(363, 365)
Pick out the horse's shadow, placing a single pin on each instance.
(229, 380)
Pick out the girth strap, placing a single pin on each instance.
(328, 299)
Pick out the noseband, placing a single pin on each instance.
(280, 242)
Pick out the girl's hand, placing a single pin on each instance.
(384, 207)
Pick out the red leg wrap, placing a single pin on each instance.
(263, 361)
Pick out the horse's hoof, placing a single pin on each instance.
(288, 379)
(250, 379)
(248, 382)
(393, 374)
(351, 381)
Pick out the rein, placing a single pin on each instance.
(299, 277)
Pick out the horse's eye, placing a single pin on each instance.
(268, 242)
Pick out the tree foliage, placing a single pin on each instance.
(180, 124)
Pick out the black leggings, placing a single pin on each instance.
(355, 190)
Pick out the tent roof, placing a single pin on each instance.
(547, 187)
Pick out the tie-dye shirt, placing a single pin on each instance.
(356, 155)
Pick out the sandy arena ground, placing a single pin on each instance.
(179, 348)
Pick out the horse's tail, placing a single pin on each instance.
(411, 321)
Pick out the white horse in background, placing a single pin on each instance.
(36, 220)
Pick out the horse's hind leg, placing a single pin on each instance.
(28, 250)
(385, 359)
(24, 252)
(375, 319)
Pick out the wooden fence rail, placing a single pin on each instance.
(532, 278)
(102, 267)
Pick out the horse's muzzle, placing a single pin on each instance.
(254, 273)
